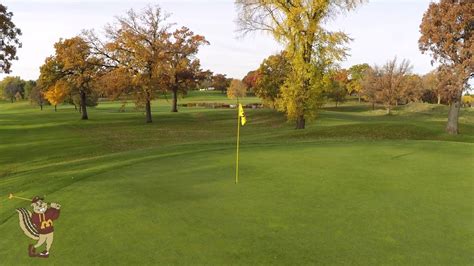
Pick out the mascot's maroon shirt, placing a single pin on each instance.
(44, 221)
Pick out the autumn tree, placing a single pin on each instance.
(92, 98)
(137, 48)
(311, 49)
(336, 88)
(272, 74)
(412, 88)
(117, 82)
(74, 68)
(468, 100)
(251, 80)
(37, 97)
(236, 90)
(9, 42)
(371, 85)
(388, 82)
(185, 69)
(356, 75)
(56, 93)
(220, 82)
(431, 84)
(50, 73)
(446, 33)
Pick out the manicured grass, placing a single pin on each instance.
(355, 187)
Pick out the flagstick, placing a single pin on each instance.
(238, 144)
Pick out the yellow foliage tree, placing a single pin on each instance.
(56, 94)
(237, 89)
(468, 100)
(311, 50)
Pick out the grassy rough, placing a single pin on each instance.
(355, 187)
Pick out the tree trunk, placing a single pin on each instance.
(359, 98)
(55, 108)
(439, 99)
(453, 117)
(84, 106)
(41, 106)
(336, 104)
(389, 109)
(373, 106)
(300, 122)
(148, 111)
(174, 108)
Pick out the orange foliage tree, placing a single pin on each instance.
(446, 32)
(72, 68)
(185, 71)
(146, 58)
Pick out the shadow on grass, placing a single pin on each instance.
(349, 108)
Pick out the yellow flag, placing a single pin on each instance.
(243, 119)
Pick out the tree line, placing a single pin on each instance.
(142, 55)
(299, 80)
(16, 89)
(389, 85)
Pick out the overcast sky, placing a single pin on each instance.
(381, 29)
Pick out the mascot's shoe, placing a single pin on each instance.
(32, 250)
(44, 254)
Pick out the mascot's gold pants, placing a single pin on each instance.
(48, 238)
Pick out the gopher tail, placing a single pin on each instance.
(26, 225)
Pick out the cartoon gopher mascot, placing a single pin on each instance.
(39, 225)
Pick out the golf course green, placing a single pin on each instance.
(356, 187)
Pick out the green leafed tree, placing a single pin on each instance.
(12, 88)
(29, 85)
(356, 75)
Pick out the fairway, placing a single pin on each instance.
(356, 187)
